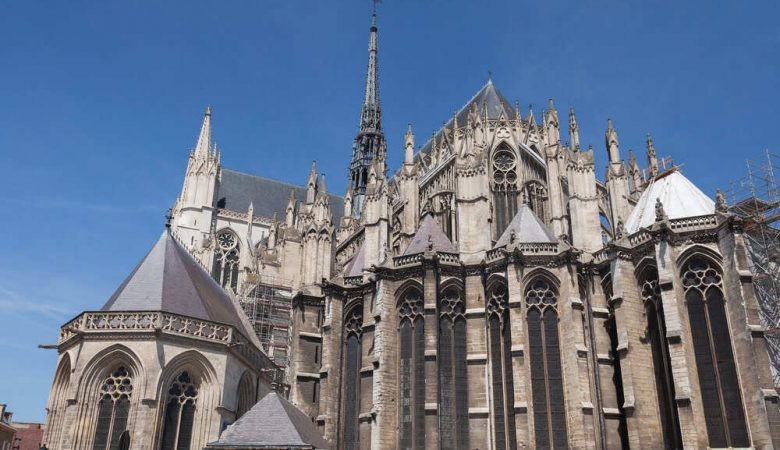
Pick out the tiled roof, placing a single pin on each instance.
(527, 228)
(430, 237)
(169, 279)
(355, 266)
(680, 199)
(236, 190)
(273, 422)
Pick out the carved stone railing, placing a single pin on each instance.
(406, 260)
(640, 237)
(527, 248)
(448, 258)
(353, 281)
(602, 255)
(693, 223)
(494, 254)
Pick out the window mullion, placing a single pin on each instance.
(543, 328)
(715, 368)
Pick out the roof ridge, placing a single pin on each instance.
(275, 180)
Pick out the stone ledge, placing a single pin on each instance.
(517, 350)
(430, 355)
(521, 407)
(604, 358)
(309, 334)
(586, 406)
(611, 413)
(475, 312)
(600, 312)
(367, 369)
(479, 412)
(431, 407)
(314, 376)
(582, 351)
(476, 357)
(770, 393)
(576, 303)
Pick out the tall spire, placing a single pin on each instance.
(370, 140)
(574, 130)
(204, 139)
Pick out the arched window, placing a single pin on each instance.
(179, 413)
(546, 373)
(501, 374)
(113, 409)
(453, 382)
(226, 260)
(504, 188)
(412, 370)
(535, 194)
(246, 394)
(353, 330)
(662, 364)
(720, 393)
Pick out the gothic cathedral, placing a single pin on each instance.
(490, 293)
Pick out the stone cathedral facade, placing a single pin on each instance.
(490, 293)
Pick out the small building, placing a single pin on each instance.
(29, 435)
(7, 432)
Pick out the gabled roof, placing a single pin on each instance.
(169, 279)
(236, 190)
(488, 96)
(527, 228)
(680, 199)
(429, 234)
(273, 422)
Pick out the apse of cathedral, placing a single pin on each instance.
(490, 293)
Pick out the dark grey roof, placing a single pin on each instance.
(488, 95)
(355, 265)
(169, 279)
(236, 190)
(273, 422)
(527, 228)
(429, 234)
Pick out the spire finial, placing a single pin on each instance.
(204, 138)
(574, 130)
(652, 159)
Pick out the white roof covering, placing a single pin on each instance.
(680, 198)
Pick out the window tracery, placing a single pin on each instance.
(546, 372)
(504, 186)
(353, 331)
(662, 365)
(113, 409)
(718, 381)
(453, 383)
(502, 382)
(535, 194)
(412, 370)
(179, 413)
(226, 260)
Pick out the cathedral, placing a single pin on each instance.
(489, 293)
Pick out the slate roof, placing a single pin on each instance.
(487, 95)
(430, 233)
(355, 266)
(236, 190)
(273, 422)
(680, 198)
(169, 279)
(527, 227)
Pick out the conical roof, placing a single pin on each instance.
(273, 422)
(527, 228)
(169, 279)
(487, 96)
(680, 199)
(430, 237)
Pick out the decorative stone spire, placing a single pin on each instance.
(574, 130)
(613, 146)
(409, 146)
(322, 189)
(348, 202)
(652, 159)
(204, 139)
(311, 185)
(370, 140)
(290, 210)
(552, 125)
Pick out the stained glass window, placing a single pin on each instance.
(113, 410)
(179, 413)
(501, 373)
(226, 260)
(412, 370)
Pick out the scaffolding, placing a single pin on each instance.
(268, 304)
(756, 199)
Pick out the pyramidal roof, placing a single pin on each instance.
(680, 198)
(430, 237)
(355, 266)
(273, 422)
(527, 228)
(488, 96)
(169, 279)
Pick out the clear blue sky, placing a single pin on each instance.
(101, 103)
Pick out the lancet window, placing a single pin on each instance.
(549, 408)
(412, 370)
(501, 374)
(535, 195)
(113, 410)
(662, 365)
(504, 187)
(226, 260)
(453, 383)
(723, 410)
(353, 332)
(179, 417)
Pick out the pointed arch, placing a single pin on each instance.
(504, 185)
(501, 372)
(544, 274)
(352, 362)
(721, 396)
(655, 334)
(246, 395)
(227, 257)
(544, 351)
(452, 365)
(58, 401)
(700, 251)
(411, 367)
